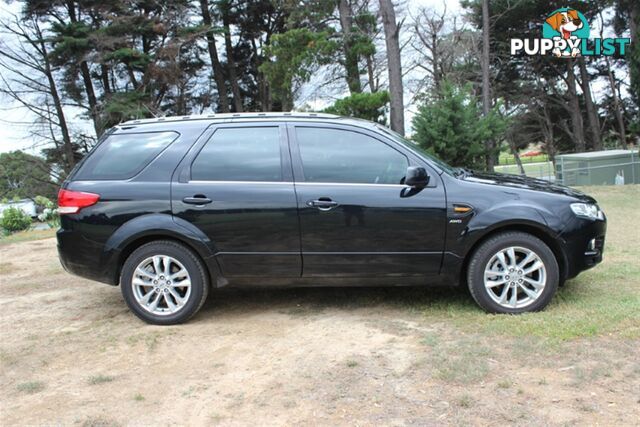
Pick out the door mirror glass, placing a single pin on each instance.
(416, 177)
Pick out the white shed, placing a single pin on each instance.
(27, 206)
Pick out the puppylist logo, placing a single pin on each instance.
(565, 33)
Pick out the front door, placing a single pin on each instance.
(238, 190)
(357, 219)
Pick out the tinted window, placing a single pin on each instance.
(122, 156)
(332, 155)
(234, 154)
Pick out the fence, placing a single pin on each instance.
(540, 170)
(573, 173)
(595, 168)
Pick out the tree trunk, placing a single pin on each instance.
(373, 87)
(70, 160)
(351, 57)
(592, 114)
(218, 70)
(633, 24)
(633, 57)
(104, 76)
(437, 78)
(231, 63)
(86, 79)
(394, 65)
(263, 89)
(577, 124)
(547, 129)
(486, 83)
(616, 105)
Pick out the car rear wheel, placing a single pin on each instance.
(164, 283)
(513, 272)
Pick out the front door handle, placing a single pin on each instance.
(323, 204)
(198, 199)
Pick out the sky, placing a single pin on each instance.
(15, 121)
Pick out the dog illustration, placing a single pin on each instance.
(566, 23)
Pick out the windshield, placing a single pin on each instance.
(415, 147)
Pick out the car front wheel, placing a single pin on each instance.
(513, 272)
(164, 283)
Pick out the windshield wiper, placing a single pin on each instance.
(461, 172)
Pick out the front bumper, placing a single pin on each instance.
(583, 245)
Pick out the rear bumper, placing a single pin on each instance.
(583, 245)
(83, 257)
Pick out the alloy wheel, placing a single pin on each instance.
(161, 285)
(515, 277)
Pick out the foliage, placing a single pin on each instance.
(118, 60)
(295, 55)
(49, 212)
(453, 128)
(368, 106)
(14, 219)
(23, 175)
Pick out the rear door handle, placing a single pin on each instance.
(198, 199)
(323, 204)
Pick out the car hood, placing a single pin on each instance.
(526, 183)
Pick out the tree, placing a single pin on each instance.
(486, 82)
(368, 106)
(295, 55)
(218, 70)
(454, 128)
(394, 64)
(592, 113)
(444, 49)
(30, 82)
(225, 6)
(350, 51)
(25, 176)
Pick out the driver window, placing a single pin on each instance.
(342, 156)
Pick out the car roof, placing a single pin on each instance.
(257, 116)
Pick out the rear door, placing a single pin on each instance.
(357, 219)
(236, 186)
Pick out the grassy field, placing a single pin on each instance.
(26, 236)
(324, 356)
(604, 301)
(508, 159)
(536, 170)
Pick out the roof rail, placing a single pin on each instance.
(230, 116)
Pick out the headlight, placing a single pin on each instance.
(587, 210)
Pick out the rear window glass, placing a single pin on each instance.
(240, 154)
(122, 156)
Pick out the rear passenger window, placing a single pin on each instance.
(341, 156)
(122, 156)
(235, 154)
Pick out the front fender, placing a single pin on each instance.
(502, 215)
(464, 234)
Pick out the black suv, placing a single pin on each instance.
(169, 207)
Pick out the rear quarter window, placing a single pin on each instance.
(124, 155)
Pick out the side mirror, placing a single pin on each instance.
(416, 177)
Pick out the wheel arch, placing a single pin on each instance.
(148, 228)
(535, 230)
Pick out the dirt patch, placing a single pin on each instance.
(71, 353)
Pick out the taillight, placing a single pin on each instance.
(70, 202)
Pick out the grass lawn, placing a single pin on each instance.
(324, 356)
(537, 170)
(25, 236)
(508, 159)
(602, 301)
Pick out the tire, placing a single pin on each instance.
(169, 300)
(534, 277)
